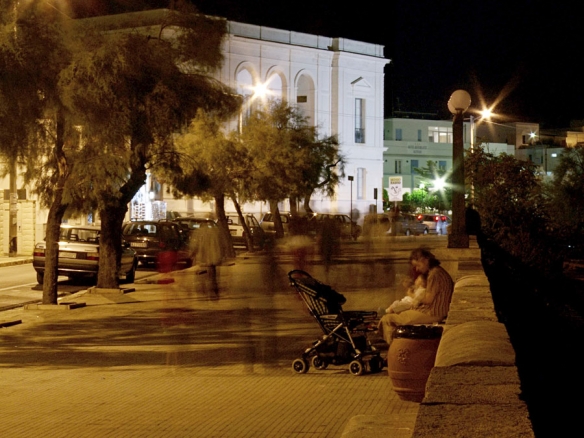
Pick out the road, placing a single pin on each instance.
(19, 285)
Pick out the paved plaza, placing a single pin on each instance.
(174, 360)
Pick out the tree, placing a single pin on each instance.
(438, 195)
(514, 212)
(140, 79)
(289, 159)
(33, 35)
(211, 165)
(565, 193)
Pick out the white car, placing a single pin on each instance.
(436, 223)
(238, 234)
(79, 255)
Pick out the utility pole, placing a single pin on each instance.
(13, 212)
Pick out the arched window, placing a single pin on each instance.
(305, 97)
(275, 87)
(244, 80)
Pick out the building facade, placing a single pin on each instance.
(411, 143)
(338, 85)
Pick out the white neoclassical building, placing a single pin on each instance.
(338, 83)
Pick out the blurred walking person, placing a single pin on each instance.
(208, 252)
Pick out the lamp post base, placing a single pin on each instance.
(458, 241)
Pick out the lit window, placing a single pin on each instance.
(360, 183)
(439, 134)
(359, 120)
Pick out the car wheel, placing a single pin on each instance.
(131, 274)
(40, 277)
(425, 230)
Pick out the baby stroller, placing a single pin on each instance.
(345, 333)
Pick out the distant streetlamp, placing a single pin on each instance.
(457, 104)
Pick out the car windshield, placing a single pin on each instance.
(140, 229)
(195, 225)
(79, 235)
(233, 220)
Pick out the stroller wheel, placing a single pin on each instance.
(356, 368)
(318, 363)
(300, 366)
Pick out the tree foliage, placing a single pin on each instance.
(514, 212)
(436, 196)
(212, 164)
(289, 158)
(566, 193)
(138, 81)
(37, 130)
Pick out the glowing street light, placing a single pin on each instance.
(458, 103)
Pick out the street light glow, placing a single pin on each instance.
(439, 184)
(486, 113)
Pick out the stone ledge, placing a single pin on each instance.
(463, 385)
(375, 426)
(60, 306)
(107, 291)
(478, 343)
(473, 420)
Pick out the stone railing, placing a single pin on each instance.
(474, 388)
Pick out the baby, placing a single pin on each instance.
(415, 291)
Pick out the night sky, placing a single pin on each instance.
(525, 54)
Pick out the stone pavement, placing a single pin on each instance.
(173, 360)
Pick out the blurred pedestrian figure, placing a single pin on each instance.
(208, 252)
(329, 241)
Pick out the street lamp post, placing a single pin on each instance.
(458, 104)
(350, 178)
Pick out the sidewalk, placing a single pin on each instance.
(174, 360)
(170, 360)
(11, 261)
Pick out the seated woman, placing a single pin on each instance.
(433, 304)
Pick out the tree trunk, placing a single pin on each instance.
(56, 213)
(226, 242)
(112, 219)
(277, 219)
(110, 245)
(307, 208)
(294, 205)
(246, 230)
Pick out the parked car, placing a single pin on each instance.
(408, 224)
(237, 232)
(79, 255)
(150, 239)
(349, 229)
(436, 223)
(190, 225)
(376, 224)
(267, 223)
